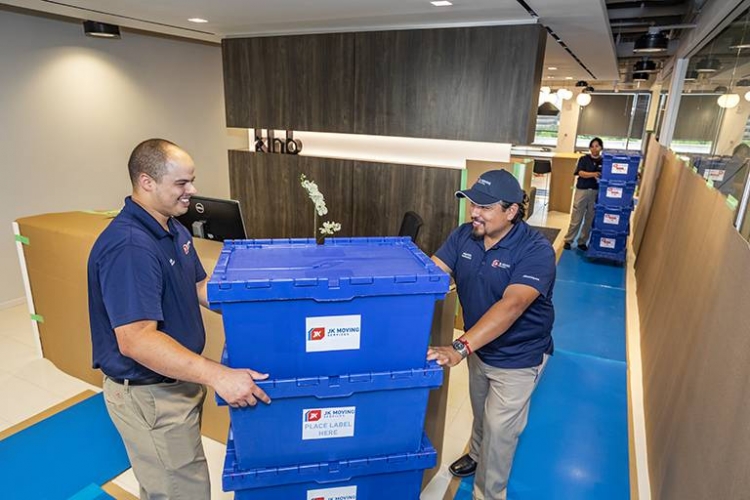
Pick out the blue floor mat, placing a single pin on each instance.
(574, 266)
(575, 446)
(62, 455)
(589, 319)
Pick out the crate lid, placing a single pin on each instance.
(341, 269)
(234, 478)
(322, 387)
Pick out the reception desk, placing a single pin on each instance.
(56, 253)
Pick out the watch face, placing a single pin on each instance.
(458, 345)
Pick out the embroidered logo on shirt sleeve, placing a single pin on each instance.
(466, 255)
(531, 277)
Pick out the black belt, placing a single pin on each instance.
(143, 381)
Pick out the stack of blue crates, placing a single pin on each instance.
(342, 329)
(611, 226)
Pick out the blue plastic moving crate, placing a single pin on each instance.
(620, 167)
(607, 245)
(391, 477)
(334, 418)
(612, 218)
(292, 308)
(616, 193)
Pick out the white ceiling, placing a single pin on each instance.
(581, 24)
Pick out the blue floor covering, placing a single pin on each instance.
(575, 446)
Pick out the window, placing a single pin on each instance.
(546, 130)
(619, 119)
(698, 120)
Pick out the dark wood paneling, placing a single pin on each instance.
(368, 199)
(290, 82)
(478, 84)
(463, 83)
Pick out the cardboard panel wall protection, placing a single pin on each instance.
(652, 164)
(693, 292)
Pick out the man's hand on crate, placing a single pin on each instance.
(238, 388)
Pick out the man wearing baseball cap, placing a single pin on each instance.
(504, 272)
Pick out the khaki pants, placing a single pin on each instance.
(582, 215)
(160, 426)
(500, 403)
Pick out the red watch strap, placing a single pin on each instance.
(466, 344)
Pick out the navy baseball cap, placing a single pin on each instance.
(493, 187)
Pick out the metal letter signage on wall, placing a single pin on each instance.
(271, 144)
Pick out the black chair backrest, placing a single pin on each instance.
(410, 225)
(542, 166)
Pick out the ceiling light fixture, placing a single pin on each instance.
(198, 20)
(653, 41)
(640, 77)
(552, 68)
(644, 66)
(547, 109)
(581, 83)
(728, 101)
(708, 65)
(100, 30)
(441, 3)
(583, 99)
(691, 75)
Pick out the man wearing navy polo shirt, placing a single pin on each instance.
(146, 286)
(504, 272)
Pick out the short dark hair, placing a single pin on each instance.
(150, 158)
(521, 214)
(596, 139)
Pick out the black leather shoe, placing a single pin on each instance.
(583, 247)
(463, 467)
(566, 246)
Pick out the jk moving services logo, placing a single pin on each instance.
(313, 415)
(316, 333)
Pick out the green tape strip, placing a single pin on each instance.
(695, 170)
(732, 202)
(38, 318)
(710, 183)
(22, 239)
(461, 202)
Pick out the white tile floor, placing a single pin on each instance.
(34, 384)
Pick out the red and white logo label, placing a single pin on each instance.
(613, 219)
(186, 248)
(328, 423)
(332, 333)
(614, 192)
(313, 415)
(607, 243)
(620, 168)
(343, 493)
(316, 333)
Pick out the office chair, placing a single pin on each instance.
(410, 225)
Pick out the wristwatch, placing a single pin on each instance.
(461, 348)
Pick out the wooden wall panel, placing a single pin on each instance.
(477, 84)
(368, 199)
(692, 273)
(290, 82)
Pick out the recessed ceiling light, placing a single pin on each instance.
(197, 20)
(550, 77)
(552, 68)
(568, 77)
(441, 3)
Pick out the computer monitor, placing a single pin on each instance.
(214, 219)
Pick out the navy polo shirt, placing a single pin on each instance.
(524, 257)
(587, 163)
(139, 271)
